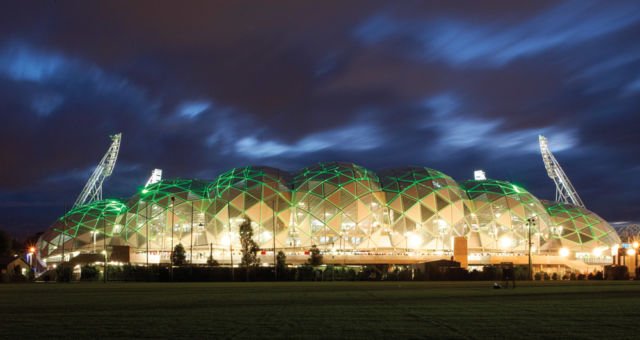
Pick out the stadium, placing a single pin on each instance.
(352, 214)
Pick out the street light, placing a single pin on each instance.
(531, 221)
(32, 252)
(173, 207)
(635, 245)
(104, 242)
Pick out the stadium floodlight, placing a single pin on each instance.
(565, 192)
(92, 191)
(479, 175)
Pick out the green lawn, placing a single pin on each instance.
(321, 310)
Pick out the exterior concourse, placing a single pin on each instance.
(352, 214)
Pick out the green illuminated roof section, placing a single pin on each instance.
(85, 225)
(337, 203)
(491, 187)
(426, 207)
(579, 228)
(155, 222)
(184, 189)
(260, 193)
(500, 213)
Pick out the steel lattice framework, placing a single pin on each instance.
(499, 216)
(578, 228)
(565, 191)
(166, 213)
(92, 191)
(339, 207)
(85, 227)
(261, 194)
(426, 208)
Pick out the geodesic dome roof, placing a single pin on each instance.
(500, 214)
(354, 178)
(337, 201)
(81, 223)
(161, 192)
(425, 203)
(412, 184)
(262, 194)
(254, 181)
(628, 231)
(579, 226)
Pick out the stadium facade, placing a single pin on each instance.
(352, 214)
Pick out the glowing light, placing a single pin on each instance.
(479, 175)
(225, 240)
(631, 251)
(635, 244)
(614, 250)
(413, 240)
(265, 235)
(505, 242)
(564, 252)
(597, 252)
(32, 249)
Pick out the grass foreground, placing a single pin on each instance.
(577, 309)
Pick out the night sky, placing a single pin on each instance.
(200, 87)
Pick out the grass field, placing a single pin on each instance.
(321, 310)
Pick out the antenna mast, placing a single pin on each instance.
(93, 189)
(564, 189)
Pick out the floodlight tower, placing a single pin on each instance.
(564, 189)
(156, 176)
(93, 189)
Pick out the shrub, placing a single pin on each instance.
(89, 273)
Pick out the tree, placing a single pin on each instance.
(5, 242)
(249, 246)
(178, 257)
(281, 263)
(316, 258)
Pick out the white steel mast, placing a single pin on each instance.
(156, 176)
(564, 189)
(93, 189)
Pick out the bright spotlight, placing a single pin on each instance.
(505, 242)
(635, 244)
(564, 252)
(597, 252)
(631, 252)
(414, 240)
(225, 240)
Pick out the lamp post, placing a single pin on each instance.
(146, 225)
(531, 221)
(275, 264)
(191, 232)
(104, 241)
(64, 225)
(635, 245)
(173, 207)
(32, 253)
(230, 243)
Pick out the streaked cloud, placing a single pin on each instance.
(357, 137)
(495, 43)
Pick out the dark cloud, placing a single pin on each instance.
(201, 87)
